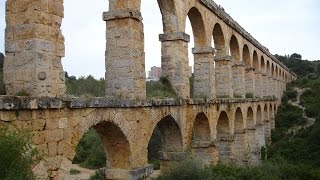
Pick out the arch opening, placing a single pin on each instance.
(260, 127)
(169, 17)
(165, 140)
(103, 145)
(239, 138)
(272, 70)
(198, 29)
(250, 122)
(225, 145)
(246, 56)
(234, 49)
(255, 61)
(219, 41)
(263, 65)
(93, 33)
(259, 115)
(266, 121)
(265, 113)
(270, 111)
(223, 129)
(238, 121)
(90, 152)
(252, 145)
(268, 68)
(201, 129)
(116, 145)
(195, 27)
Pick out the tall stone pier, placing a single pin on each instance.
(34, 48)
(174, 61)
(238, 70)
(204, 76)
(224, 77)
(125, 64)
(258, 85)
(249, 82)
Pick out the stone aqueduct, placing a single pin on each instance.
(237, 88)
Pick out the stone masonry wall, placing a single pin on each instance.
(57, 126)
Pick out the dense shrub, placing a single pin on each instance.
(312, 76)
(194, 170)
(160, 89)
(291, 94)
(85, 86)
(190, 169)
(16, 155)
(288, 115)
(310, 98)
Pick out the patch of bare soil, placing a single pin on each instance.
(84, 174)
(310, 121)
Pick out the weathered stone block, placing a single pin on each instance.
(54, 135)
(39, 137)
(53, 149)
(38, 124)
(40, 171)
(53, 163)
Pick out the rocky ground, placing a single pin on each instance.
(84, 174)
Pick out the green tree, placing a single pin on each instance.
(295, 56)
(297, 65)
(85, 86)
(16, 155)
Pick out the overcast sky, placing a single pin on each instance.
(284, 26)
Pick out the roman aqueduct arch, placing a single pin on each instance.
(238, 84)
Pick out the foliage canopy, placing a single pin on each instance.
(16, 155)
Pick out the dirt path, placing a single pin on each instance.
(310, 121)
(155, 174)
(85, 174)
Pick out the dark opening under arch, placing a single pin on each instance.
(234, 49)
(219, 42)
